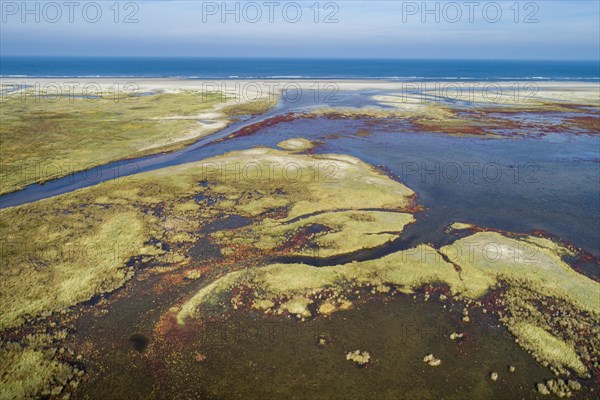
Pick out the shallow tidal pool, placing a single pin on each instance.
(252, 356)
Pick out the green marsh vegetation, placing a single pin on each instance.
(488, 115)
(66, 250)
(528, 272)
(62, 251)
(43, 138)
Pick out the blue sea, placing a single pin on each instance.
(263, 68)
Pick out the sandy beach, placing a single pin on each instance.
(275, 86)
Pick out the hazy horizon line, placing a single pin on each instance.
(300, 58)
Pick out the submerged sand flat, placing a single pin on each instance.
(528, 262)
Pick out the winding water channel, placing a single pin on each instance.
(547, 183)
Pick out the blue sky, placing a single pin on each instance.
(373, 29)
